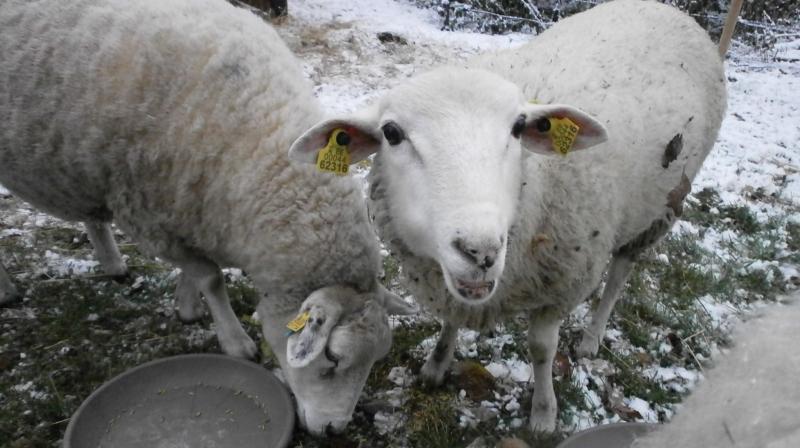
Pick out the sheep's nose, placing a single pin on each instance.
(483, 253)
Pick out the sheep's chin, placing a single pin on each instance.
(470, 292)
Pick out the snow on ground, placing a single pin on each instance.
(337, 41)
(788, 51)
(758, 146)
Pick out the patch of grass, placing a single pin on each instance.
(569, 397)
(632, 324)
(633, 382)
(539, 439)
(793, 236)
(62, 237)
(73, 333)
(16, 255)
(665, 294)
(360, 433)
(391, 271)
(661, 297)
(405, 339)
(685, 277)
(517, 328)
(706, 209)
(433, 420)
(741, 218)
(764, 284)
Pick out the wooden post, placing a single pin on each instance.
(730, 24)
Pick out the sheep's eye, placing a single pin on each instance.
(518, 127)
(543, 124)
(330, 371)
(394, 135)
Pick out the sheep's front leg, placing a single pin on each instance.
(441, 357)
(8, 292)
(105, 248)
(190, 306)
(208, 278)
(542, 343)
(618, 273)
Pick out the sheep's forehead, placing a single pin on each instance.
(470, 95)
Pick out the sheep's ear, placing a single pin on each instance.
(364, 140)
(306, 344)
(394, 304)
(537, 138)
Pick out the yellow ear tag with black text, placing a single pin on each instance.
(299, 322)
(334, 157)
(563, 133)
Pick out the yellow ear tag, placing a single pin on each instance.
(563, 133)
(299, 322)
(334, 157)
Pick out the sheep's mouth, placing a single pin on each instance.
(474, 290)
(469, 289)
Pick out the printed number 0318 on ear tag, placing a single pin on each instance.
(563, 133)
(334, 157)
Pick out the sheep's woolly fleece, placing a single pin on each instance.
(750, 398)
(165, 82)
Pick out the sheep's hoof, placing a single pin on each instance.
(123, 278)
(191, 312)
(544, 422)
(432, 374)
(9, 296)
(190, 304)
(117, 271)
(589, 345)
(240, 348)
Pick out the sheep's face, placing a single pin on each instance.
(449, 156)
(327, 362)
(450, 167)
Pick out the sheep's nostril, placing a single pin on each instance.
(463, 248)
(483, 255)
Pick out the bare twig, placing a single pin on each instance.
(50, 347)
(728, 433)
(56, 393)
(697, 361)
(59, 422)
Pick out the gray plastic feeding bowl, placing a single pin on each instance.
(615, 435)
(187, 401)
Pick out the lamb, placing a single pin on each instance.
(468, 205)
(174, 120)
(750, 397)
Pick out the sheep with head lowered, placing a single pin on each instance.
(459, 204)
(173, 119)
